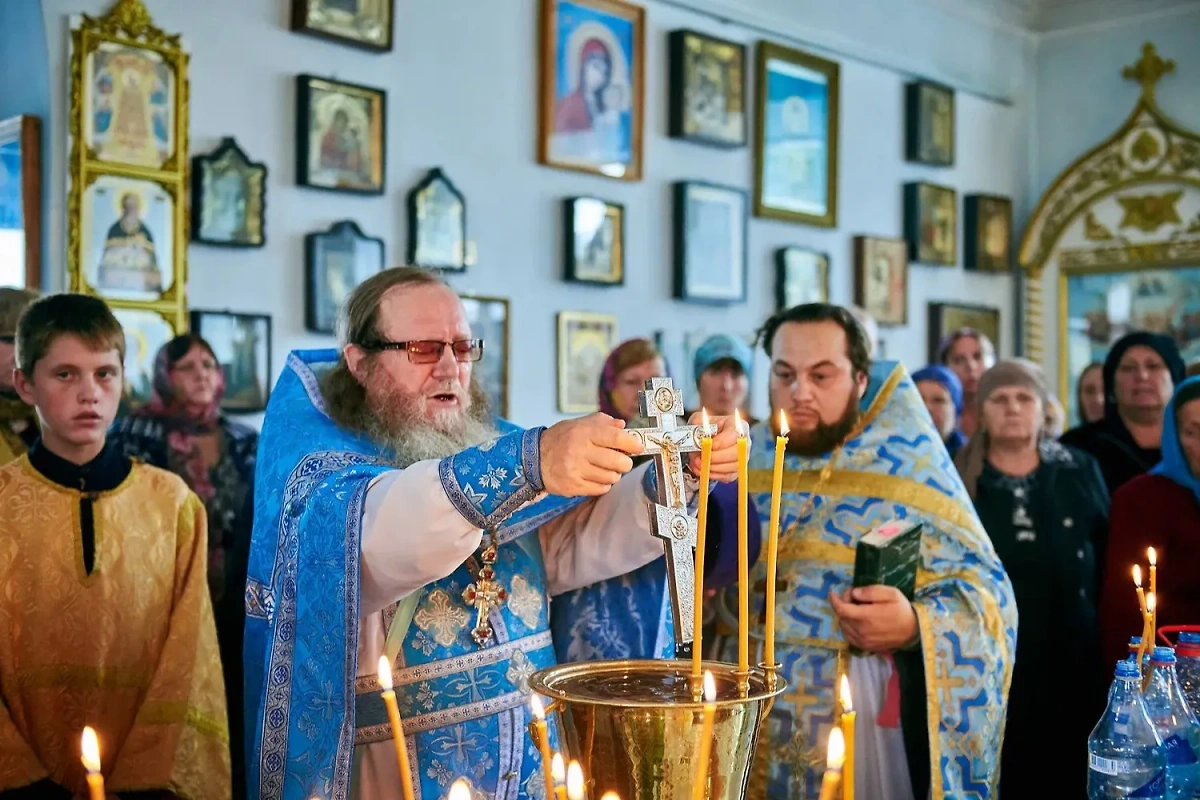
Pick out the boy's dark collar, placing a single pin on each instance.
(103, 473)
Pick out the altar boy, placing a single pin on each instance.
(104, 611)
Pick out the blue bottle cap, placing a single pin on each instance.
(1163, 655)
(1128, 669)
(1135, 640)
(1188, 637)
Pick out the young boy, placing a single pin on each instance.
(105, 618)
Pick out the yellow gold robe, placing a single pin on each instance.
(129, 649)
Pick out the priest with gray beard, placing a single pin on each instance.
(394, 516)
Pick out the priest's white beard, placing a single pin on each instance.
(397, 420)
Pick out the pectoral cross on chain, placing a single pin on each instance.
(669, 518)
(486, 595)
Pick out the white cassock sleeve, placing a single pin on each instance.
(413, 536)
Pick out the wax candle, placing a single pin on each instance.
(559, 771)
(833, 765)
(1151, 621)
(1137, 584)
(743, 455)
(543, 741)
(459, 790)
(1152, 557)
(848, 719)
(393, 712)
(773, 538)
(701, 530)
(700, 781)
(90, 748)
(575, 782)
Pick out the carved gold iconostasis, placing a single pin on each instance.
(128, 149)
(1114, 244)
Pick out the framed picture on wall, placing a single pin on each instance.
(21, 202)
(592, 87)
(359, 23)
(489, 321)
(795, 152)
(801, 276)
(242, 345)
(127, 238)
(931, 223)
(881, 278)
(584, 342)
(707, 94)
(146, 331)
(710, 243)
(929, 123)
(594, 235)
(341, 135)
(131, 103)
(437, 224)
(945, 318)
(335, 262)
(987, 233)
(229, 198)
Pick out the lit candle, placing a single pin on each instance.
(743, 454)
(1151, 621)
(700, 781)
(90, 748)
(543, 741)
(1152, 557)
(773, 539)
(701, 529)
(848, 718)
(575, 782)
(389, 699)
(1137, 584)
(460, 790)
(559, 771)
(833, 765)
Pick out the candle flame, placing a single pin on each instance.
(737, 424)
(611, 796)
(783, 426)
(1152, 556)
(847, 705)
(535, 703)
(557, 770)
(710, 688)
(1137, 575)
(704, 418)
(91, 750)
(1151, 601)
(837, 749)
(460, 790)
(575, 781)
(385, 673)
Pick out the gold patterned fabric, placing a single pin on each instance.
(129, 649)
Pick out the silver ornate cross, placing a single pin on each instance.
(669, 518)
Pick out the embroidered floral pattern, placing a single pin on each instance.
(519, 670)
(493, 478)
(441, 618)
(525, 601)
(426, 695)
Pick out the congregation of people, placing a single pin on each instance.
(215, 602)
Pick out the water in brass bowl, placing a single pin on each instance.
(634, 725)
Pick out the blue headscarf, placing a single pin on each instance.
(1174, 463)
(943, 375)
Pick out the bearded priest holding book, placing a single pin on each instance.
(394, 516)
(929, 676)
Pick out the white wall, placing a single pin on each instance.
(461, 85)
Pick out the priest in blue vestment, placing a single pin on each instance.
(390, 512)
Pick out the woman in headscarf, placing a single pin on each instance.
(183, 430)
(1160, 510)
(1140, 373)
(630, 616)
(1045, 507)
(942, 393)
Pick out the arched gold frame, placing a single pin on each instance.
(128, 23)
(1120, 162)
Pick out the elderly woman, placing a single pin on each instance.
(183, 430)
(629, 616)
(1162, 510)
(1045, 507)
(969, 353)
(942, 393)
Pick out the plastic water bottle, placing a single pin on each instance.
(1125, 753)
(1177, 727)
(1187, 668)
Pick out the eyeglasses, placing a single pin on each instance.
(429, 351)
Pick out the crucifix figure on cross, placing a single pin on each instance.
(669, 519)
